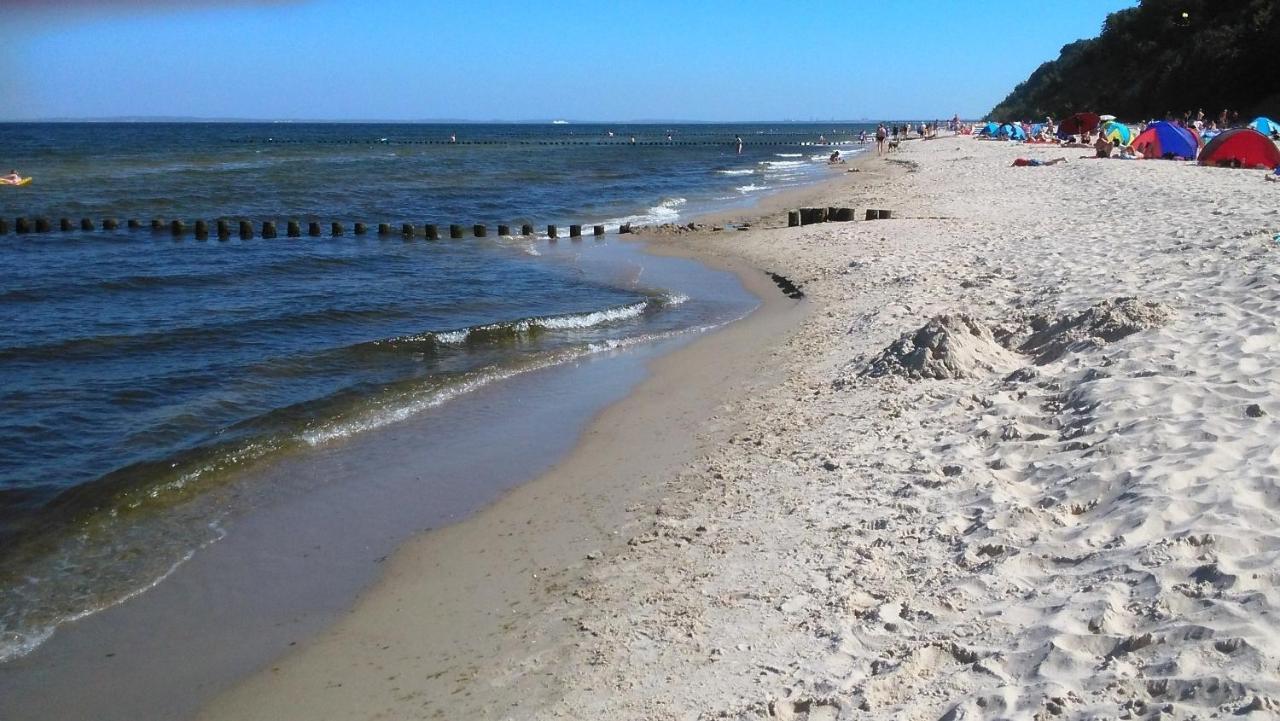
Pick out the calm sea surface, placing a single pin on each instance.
(139, 371)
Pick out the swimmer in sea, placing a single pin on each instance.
(12, 178)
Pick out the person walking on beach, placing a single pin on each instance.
(882, 134)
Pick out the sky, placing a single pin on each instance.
(713, 60)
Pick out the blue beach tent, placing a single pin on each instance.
(1266, 126)
(1012, 132)
(990, 129)
(1166, 140)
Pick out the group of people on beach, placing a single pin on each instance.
(889, 136)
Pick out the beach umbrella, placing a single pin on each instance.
(1266, 126)
(1079, 123)
(1117, 133)
(1106, 118)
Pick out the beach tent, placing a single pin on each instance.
(1012, 132)
(1117, 133)
(1078, 123)
(990, 129)
(1166, 140)
(1241, 148)
(1266, 126)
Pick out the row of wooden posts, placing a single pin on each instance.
(809, 216)
(593, 143)
(268, 229)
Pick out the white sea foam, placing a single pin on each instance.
(559, 322)
(664, 212)
(744, 171)
(788, 155)
(453, 336)
(587, 320)
(752, 188)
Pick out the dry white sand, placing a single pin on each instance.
(1021, 464)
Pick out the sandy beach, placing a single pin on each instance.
(1013, 457)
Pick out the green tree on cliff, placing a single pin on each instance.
(1164, 56)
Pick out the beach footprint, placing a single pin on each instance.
(805, 709)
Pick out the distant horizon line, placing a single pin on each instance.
(425, 121)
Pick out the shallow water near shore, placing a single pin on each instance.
(150, 378)
(300, 536)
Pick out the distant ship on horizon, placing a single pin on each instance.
(559, 122)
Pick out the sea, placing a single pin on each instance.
(144, 373)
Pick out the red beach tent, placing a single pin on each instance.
(1241, 148)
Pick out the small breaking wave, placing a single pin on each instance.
(524, 326)
(667, 211)
(743, 171)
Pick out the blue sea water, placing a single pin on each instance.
(139, 370)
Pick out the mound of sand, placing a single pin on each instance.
(960, 346)
(948, 346)
(1099, 324)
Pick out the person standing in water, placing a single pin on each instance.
(738, 139)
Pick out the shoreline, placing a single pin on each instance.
(1064, 508)
(553, 527)
(754, 280)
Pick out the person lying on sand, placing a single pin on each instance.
(1034, 163)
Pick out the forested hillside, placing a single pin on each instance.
(1163, 56)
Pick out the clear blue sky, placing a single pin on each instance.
(523, 59)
